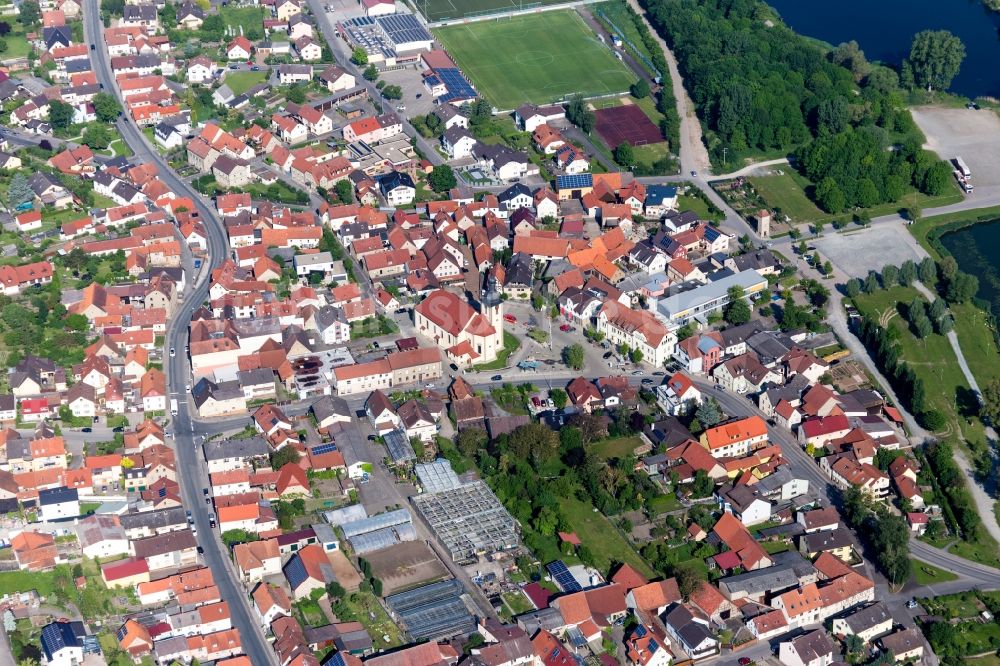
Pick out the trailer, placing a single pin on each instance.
(963, 167)
(528, 365)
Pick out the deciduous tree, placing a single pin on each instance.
(935, 58)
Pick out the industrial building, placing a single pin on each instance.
(391, 39)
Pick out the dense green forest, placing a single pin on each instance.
(761, 89)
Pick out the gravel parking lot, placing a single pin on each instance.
(972, 135)
(858, 252)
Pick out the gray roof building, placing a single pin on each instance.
(155, 521)
(252, 447)
(161, 544)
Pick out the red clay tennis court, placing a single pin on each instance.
(626, 123)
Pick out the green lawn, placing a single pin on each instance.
(119, 148)
(242, 17)
(788, 193)
(510, 345)
(538, 58)
(24, 581)
(931, 358)
(601, 538)
(664, 504)
(620, 15)
(928, 574)
(517, 603)
(240, 82)
(785, 194)
(17, 47)
(618, 447)
(312, 615)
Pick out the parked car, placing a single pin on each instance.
(637, 373)
(564, 328)
(535, 401)
(88, 430)
(510, 318)
(608, 355)
(659, 373)
(496, 378)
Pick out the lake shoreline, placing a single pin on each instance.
(887, 33)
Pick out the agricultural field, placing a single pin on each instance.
(539, 58)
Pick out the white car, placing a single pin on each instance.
(173, 352)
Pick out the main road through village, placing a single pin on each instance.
(189, 431)
(192, 473)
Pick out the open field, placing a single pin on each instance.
(603, 540)
(931, 358)
(539, 58)
(405, 566)
(449, 10)
(786, 195)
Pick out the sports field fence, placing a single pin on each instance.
(636, 52)
(423, 9)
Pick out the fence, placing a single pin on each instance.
(636, 52)
(503, 12)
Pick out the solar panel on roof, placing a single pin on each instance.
(563, 578)
(295, 572)
(324, 448)
(458, 86)
(576, 180)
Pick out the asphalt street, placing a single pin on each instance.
(188, 455)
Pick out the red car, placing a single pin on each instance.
(510, 318)
(565, 328)
(745, 661)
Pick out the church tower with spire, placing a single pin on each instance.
(491, 305)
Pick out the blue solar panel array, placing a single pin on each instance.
(404, 28)
(574, 181)
(563, 578)
(457, 85)
(295, 571)
(324, 448)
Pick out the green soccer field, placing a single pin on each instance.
(537, 58)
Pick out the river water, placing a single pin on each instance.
(885, 29)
